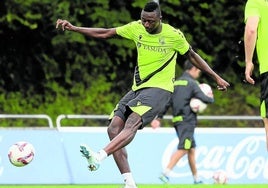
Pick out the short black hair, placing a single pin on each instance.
(152, 6)
(188, 65)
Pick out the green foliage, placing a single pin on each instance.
(97, 99)
(48, 71)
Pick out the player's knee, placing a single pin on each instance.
(114, 130)
(133, 122)
(115, 127)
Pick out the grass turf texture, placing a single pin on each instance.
(139, 186)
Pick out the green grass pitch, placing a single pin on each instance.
(139, 186)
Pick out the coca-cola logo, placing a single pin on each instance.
(245, 158)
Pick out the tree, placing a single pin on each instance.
(44, 70)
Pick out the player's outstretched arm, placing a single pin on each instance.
(91, 32)
(250, 38)
(202, 65)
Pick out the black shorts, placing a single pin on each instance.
(264, 95)
(185, 134)
(147, 102)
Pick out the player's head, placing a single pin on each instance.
(151, 17)
(187, 65)
(191, 69)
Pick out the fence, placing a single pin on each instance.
(105, 117)
(28, 116)
(166, 117)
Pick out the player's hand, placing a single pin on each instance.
(155, 123)
(248, 72)
(222, 85)
(64, 24)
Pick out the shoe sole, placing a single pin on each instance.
(164, 180)
(86, 153)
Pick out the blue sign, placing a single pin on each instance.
(240, 152)
(48, 165)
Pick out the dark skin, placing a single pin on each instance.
(122, 133)
(151, 22)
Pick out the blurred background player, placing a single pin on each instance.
(184, 119)
(256, 34)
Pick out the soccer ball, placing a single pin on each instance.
(21, 153)
(206, 89)
(220, 177)
(197, 105)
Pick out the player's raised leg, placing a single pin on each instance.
(117, 130)
(120, 134)
(114, 129)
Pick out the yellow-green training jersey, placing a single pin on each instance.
(154, 50)
(260, 8)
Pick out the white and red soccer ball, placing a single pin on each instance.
(197, 105)
(220, 177)
(206, 89)
(21, 153)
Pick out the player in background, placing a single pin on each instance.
(184, 119)
(256, 35)
(158, 45)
